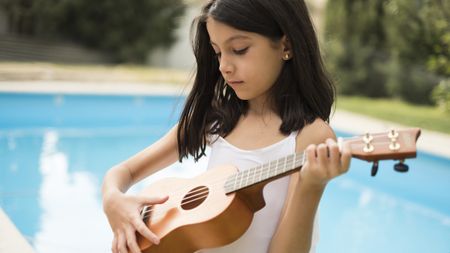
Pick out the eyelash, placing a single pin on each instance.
(241, 51)
(237, 52)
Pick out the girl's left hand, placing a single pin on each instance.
(324, 162)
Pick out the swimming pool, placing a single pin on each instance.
(55, 149)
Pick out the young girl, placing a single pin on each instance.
(260, 93)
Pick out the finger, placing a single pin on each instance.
(152, 200)
(131, 241)
(114, 248)
(322, 157)
(311, 155)
(121, 244)
(142, 229)
(334, 157)
(333, 150)
(346, 155)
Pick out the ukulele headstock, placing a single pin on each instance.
(390, 145)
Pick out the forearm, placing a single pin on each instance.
(117, 179)
(148, 161)
(294, 233)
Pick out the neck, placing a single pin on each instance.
(260, 107)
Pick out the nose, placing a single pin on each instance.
(225, 66)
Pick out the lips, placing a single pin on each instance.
(234, 82)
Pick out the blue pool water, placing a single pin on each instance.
(55, 149)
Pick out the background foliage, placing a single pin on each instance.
(389, 48)
(126, 30)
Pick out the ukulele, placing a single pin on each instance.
(216, 207)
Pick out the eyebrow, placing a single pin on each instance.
(235, 37)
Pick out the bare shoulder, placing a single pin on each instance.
(315, 133)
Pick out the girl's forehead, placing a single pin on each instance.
(222, 33)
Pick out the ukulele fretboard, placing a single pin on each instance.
(264, 172)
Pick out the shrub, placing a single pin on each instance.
(441, 95)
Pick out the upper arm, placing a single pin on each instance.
(315, 133)
(159, 155)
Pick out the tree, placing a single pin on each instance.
(419, 37)
(356, 46)
(397, 48)
(127, 30)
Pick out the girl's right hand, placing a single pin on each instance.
(123, 212)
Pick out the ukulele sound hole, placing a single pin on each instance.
(194, 197)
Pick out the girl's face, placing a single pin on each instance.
(249, 62)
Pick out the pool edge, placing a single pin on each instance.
(11, 240)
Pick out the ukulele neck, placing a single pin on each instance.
(265, 173)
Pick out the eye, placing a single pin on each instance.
(241, 51)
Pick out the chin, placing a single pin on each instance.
(243, 96)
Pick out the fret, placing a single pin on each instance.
(279, 165)
(298, 160)
(274, 172)
(247, 177)
(294, 158)
(234, 183)
(265, 171)
(304, 158)
(260, 172)
(255, 170)
(241, 184)
(285, 164)
(247, 172)
(291, 162)
(269, 169)
(238, 180)
(250, 177)
(272, 165)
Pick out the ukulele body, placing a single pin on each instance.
(199, 214)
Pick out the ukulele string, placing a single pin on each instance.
(239, 176)
(199, 193)
(163, 209)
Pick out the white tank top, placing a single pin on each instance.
(258, 236)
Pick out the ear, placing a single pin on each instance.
(287, 48)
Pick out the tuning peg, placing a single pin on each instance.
(401, 166)
(374, 168)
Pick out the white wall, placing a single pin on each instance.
(180, 55)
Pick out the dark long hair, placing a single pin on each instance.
(302, 92)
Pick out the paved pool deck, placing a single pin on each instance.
(12, 241)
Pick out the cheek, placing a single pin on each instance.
(269, 70)
(261, 69)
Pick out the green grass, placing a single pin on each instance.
(426, 117)
(79, 72)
